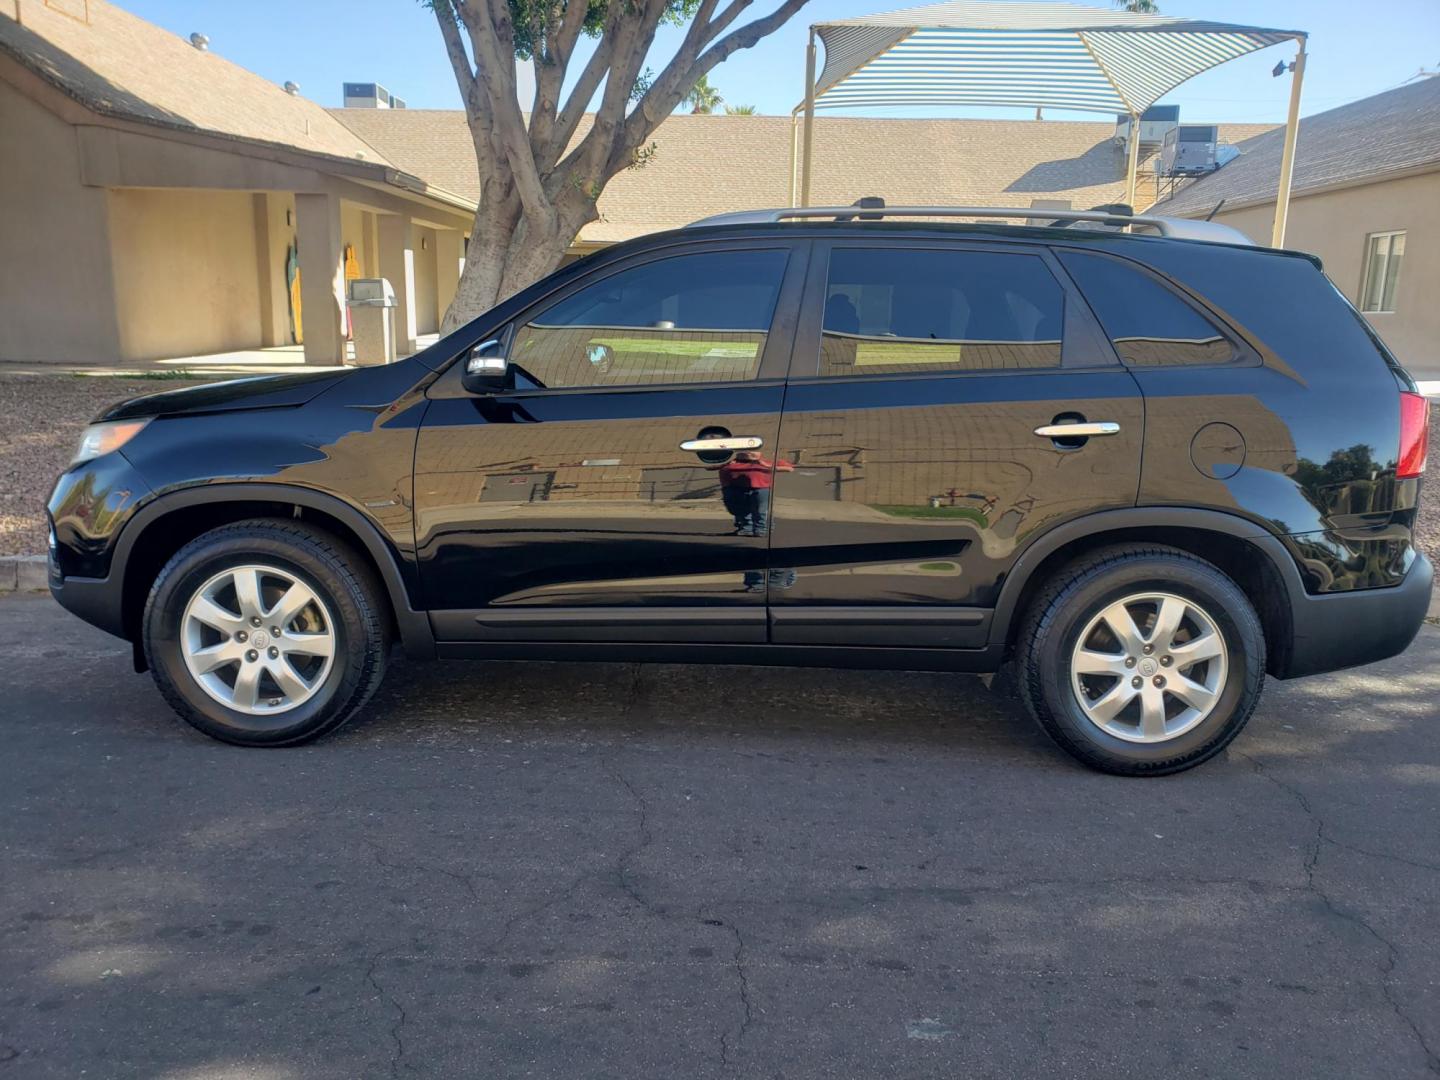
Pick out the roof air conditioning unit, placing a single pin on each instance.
(370, 96)
(1154, 123)
(1190, 150)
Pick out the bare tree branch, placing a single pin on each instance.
(550, 68)
(537, 190)
(492, 39)
(674, 82)
(454, 48)
(584, 89)
(587, 166)
(724, 19)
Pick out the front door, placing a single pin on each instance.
(623, 494)
(921, 376)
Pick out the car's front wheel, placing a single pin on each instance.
(1141, 661)
(265, 633)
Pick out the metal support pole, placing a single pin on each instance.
(809, 120)
(794, 157)
(1287, 157)
(1132, 161)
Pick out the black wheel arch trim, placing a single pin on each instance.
(413, 625)
(1282, 659)
(1323, 633)
(1139, 517)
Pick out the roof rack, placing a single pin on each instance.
(874, 209)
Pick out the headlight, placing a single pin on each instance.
(102, 438)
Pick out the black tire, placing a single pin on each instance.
(332, 571)
(1075, 595)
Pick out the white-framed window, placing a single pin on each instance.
(1384, 253)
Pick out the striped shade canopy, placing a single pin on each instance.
(1059, 56)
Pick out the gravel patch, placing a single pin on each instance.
(40, 421)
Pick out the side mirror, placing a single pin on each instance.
(486, 368)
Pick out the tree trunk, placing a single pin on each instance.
(479, 284)
(500, 262)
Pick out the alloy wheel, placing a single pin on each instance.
(257, 639)
(1149, 667)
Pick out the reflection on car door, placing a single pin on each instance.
(924, 379)
(609, 502)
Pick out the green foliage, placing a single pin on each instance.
(739, 110)
(642, 84)
(533, 19)
(1139, 7)
(703, 98)
(643, 156)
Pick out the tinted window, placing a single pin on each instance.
(1149, 324)
(691, 318)
(899, 311)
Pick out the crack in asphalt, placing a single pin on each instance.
(625, 879)
(512, 922)
(739, 963)
(623, 875)
(622, 864)
(534, 910)
(1419, 864)
(1312, 859)
(424, 868)
(398, 1056)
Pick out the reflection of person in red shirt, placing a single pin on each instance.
(745, 483)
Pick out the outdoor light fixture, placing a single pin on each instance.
(1280, 69)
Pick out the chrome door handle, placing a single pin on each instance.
(1078, 431)
(736, 442)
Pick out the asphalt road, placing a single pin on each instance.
(617, 871)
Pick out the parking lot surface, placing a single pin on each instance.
(633, 871)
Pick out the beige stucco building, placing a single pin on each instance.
(161, 201)
(1366, 200)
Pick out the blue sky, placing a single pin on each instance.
(1355, 50)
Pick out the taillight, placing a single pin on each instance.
(1414, 435)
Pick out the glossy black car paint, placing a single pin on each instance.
(1316, 502)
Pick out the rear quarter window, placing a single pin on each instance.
(1147, 322)
(1284, 303)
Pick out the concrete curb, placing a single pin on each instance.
(23, 573)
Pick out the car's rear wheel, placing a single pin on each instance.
(265, 633)
(1141, 661)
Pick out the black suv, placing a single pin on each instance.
(1145, 470)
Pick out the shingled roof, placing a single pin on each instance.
(711, 164)
(117, 64)
(1388, 134)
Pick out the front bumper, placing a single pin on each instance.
(1339, 630)
(96, 600)
(89, 507)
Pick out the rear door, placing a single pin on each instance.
(614, 496)
(923, 371)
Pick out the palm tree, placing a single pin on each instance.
(703, 97)
(739, 110)
(1139, 7)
